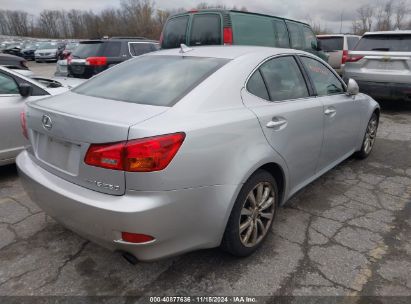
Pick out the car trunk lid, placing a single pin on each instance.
(62, 130)
(381, 66)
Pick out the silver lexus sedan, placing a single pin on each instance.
(194, 148)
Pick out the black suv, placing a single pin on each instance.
(94, 56)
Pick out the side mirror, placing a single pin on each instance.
(25, 90)
(352, 88)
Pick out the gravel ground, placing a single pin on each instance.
(348, 233)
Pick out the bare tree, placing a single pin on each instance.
(401, 10)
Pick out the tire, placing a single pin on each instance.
(245, 211)
(369, 138)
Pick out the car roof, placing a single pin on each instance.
(221, 10)
(142, 40)
(8, 56)
(388, 33)
(226, 52)
(337, 35)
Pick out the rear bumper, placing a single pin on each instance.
(180, 220)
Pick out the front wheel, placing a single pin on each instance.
(252, 216)
(369, 137)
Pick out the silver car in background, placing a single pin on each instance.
(15, 91)
(191, 148)
(337, 46)
(49, 51)
(381, 64)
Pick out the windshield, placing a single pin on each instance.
(385, 43)
(329, 44)
(152, 80)
(71, 46)
(47, 45)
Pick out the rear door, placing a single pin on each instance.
(382, 58)
(333, 46)
(340, 114)
(291, 119)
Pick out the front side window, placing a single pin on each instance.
(151, 80)
(8, 85)
(324, 81)
(284, 79)
(283, 41)
(310, 39)
(175, 32)
(296, 36)
(112, 49)
(206, 30)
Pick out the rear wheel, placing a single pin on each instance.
(369, 137)
(252, 216)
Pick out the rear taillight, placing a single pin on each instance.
(140, 155)
(228, 36)
(344, 56)
(24, 125)
(69, 59)
(136, 237)
(24, 64)
(354, 58)
(161, 39)
(96, 61)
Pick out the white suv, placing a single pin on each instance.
(337, 47)
(381, 64)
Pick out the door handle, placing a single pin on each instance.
(330, 112)
(276, 123)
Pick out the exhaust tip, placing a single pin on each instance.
(129, 258)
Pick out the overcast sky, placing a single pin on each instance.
(326, 12)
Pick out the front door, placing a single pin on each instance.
(291, 119)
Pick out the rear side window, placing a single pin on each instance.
(206, 30)
(151, 80)
(284, 79)
(330, 44)
(352, 42)
(325, 82)
(256, 86)
(112, 49)
(175, 32)
(296, 35)
(253, 30)
(137, 49)
(385, 43)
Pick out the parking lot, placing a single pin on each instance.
(348, 233)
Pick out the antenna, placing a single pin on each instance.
(185, 49)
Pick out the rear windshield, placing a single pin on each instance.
(385, 43)
(175, 32)
(97, 48)
(329, 44)
(151, 80)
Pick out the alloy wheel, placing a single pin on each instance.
(257, 214)
(370, 134)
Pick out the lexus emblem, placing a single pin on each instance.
(47, 123)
